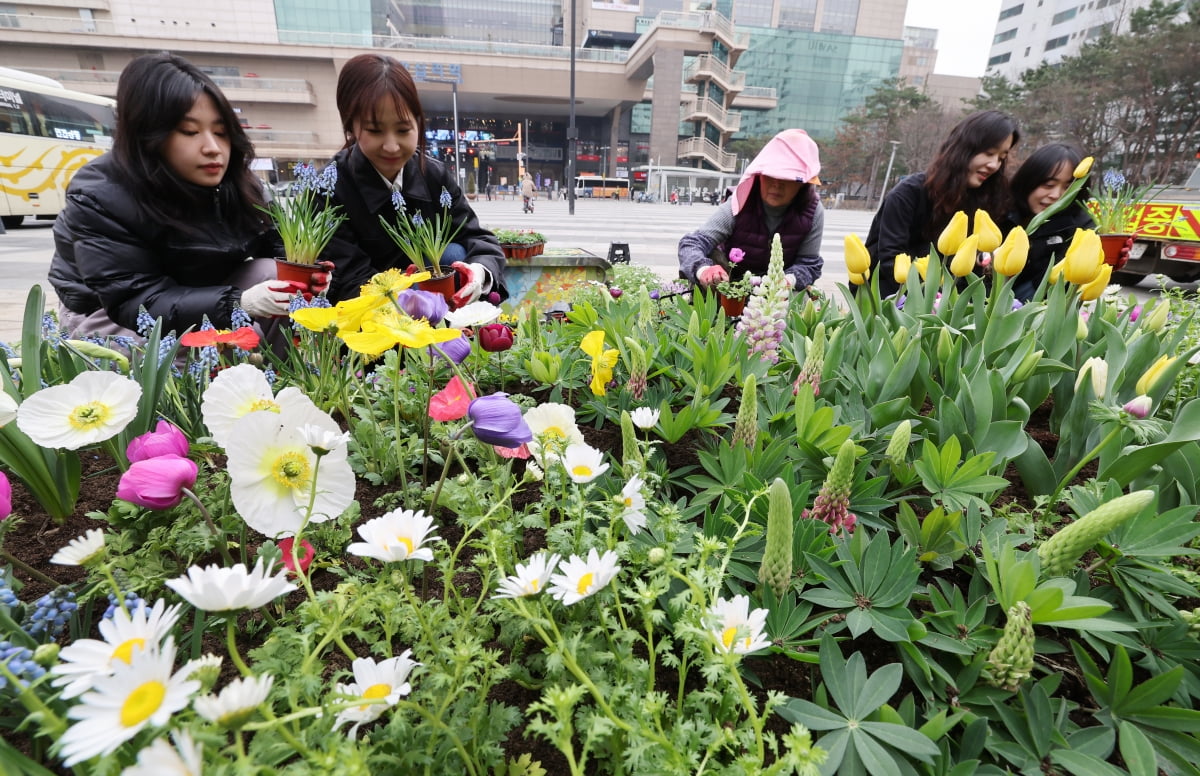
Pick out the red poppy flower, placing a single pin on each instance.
(245, 338)
(452, 402)
(305, 555)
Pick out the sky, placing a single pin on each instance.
(965, 29)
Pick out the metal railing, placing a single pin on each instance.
(704, 108)
(704, 21)
(760, 92)
(706, 65)
(709, 151)
(282, 137)
(75, 78)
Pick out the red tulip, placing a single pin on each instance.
(157, 483)
(305, 556)
(495, 337)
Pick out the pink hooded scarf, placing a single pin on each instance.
(790, 155)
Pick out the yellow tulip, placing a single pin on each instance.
(953, 235)
(922, 265)
(858, 259)
(1146, 382)
(1094, 289)
(987, 232)
(1083, 168)
(860, 278)
(964, 258)
(1158, 316)
(1083, 259)
(1012, 254)
(901, 268)
(1056, 272)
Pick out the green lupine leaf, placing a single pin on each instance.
(878, 690)
(904, 738)
(1137, 751)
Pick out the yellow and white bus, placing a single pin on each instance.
(597, 186)
(47, 132)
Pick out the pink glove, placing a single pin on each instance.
(711, 275)
(469, 279)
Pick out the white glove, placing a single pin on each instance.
(471, 278)
(267, 299)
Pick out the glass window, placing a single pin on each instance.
(798, 15)
(1006, 35)
(1000, 59)
(755, 13)
(1063, 16)
(840, 16)
(1008, 13)
(1057, 43)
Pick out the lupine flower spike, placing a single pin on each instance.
(833, 500)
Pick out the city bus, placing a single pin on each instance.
(596, 186)
(47, 132)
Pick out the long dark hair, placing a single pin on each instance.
(1040, 167)
(154, 93)
(946, 177)
(368, 78)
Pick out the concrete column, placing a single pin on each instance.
(614, 133)
(664, 106)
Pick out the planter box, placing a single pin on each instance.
(522, 250)
(540, 281)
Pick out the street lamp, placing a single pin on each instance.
(888, 174)
(572, 132)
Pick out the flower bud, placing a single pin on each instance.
(901, 268)
(897, 448)
(1081, 328)
(1083, 168)
(1084, 258)
(46, 655)
(157, 483)
(1140, 407)
(1029, 363)
(1097, 368)
(1060, 552)
(1012, 254)
(775, 570)
(987, 232)
(952, 237)
(1094, 289)
(944, 346)
(495, 337)
(858, 259)
(657, 556)
(1011, 662)
(1146, 382)
(963, 262)
(1157, 317)
(922, 265)
(165, 439)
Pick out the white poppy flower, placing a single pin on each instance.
(82, 550)
(385, 681)
(531, 577)
(473, 314)
(186, 758)
(735, 628)
(580, 578)
(634, 504)
(272, 469)
(8, 409)
(237, 702)
(584, 463)
(214, 589)
(239, 391)
(139, 693)
(322, 440)
(397, 536)
(86, 660)
(93, 407)
(645, 417)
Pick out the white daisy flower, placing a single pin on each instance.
(554, 428)
(581, 578)
(272, 469)
(214, 589)
(633, 504)
(583, 463)
(237, 702)
(86, 660)
(735, 628)
(531, 577)
(82, 550)
(397, 536)
(186, 758)
(205, 669)
(239, 391)
(140, 693)
(645, 417)
(385, 681)
(93, 407)
(473, 314)
(8, 409)
(322, 440)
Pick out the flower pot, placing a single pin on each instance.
(293, 271)
(1113, 244)
(732, 307)
(441, 284)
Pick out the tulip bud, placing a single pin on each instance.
(901, 268)
(1148, 379)
(1097, 368)
(859, 279)
(1081, 328)
(987, 232)
(1056, 272)
(1157, 317)
(1028, 364)
(922, 265)
(1083, 168)
(1084, 257)
(1012, 254)
(943, 346)
(495, 337)
(1140, 407)
(858, 258)
(1094, 289)
(900, 338)
(952, 236)
(964, 258)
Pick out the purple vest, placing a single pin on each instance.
(751, 235)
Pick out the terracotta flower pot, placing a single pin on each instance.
(732, 307)
(293, 271)
(1112, 245)
(441, 284)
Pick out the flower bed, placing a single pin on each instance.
(843, 535)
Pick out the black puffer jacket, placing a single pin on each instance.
(901, 225)
(110, 254)
(362, 247)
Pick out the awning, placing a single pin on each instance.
(262, 164)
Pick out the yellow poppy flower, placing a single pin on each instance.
(389, 328)
(603, 360)
(316, 318)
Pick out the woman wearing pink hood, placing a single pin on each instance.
(776, 195)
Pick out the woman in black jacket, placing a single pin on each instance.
(1040, 182)
(168, 218)
(967, 173)
(384, 157)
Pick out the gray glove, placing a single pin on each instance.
(267, 299)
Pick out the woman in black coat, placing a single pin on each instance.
(385, 157)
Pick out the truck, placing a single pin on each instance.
(1166, 234)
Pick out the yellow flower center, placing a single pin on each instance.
(554, 432)
(89, 415)
(534, 584)
(728, 636)
(408, 548)
(124, 651)
(141, 704)
(259, 405)
(628, 502)
(581, 470)
(585, 583)
(292, 470)
(373, 692)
